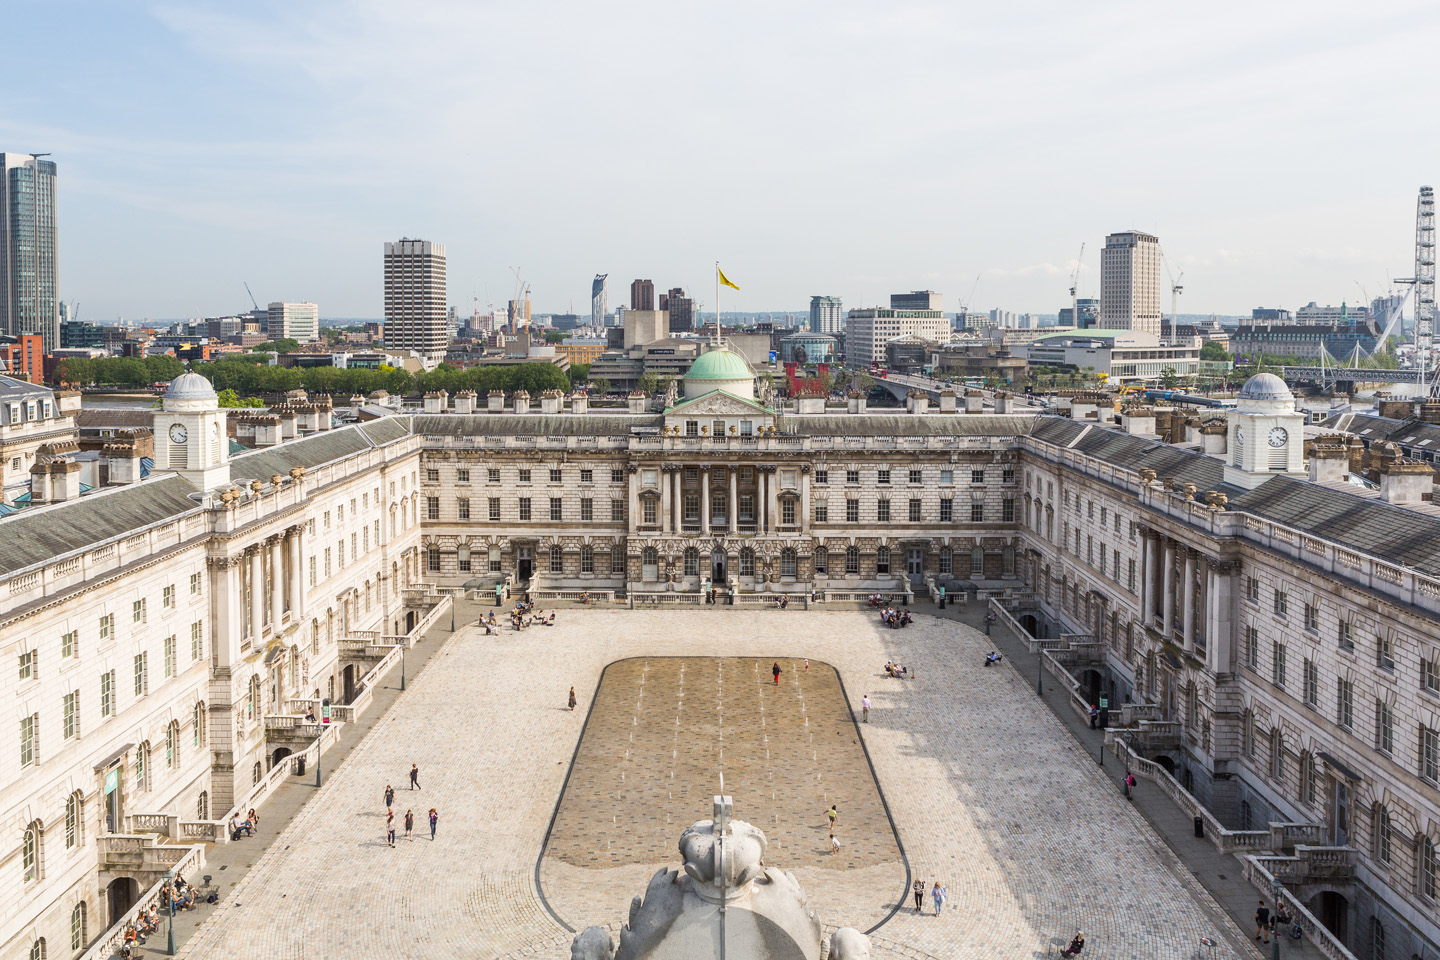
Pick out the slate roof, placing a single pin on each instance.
(39, 534)
(315, 449)
(90, 418)
(607, 424)
(906, 425)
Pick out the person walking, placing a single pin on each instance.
(389, 797)
(410, 825)
(434, 819)
(572, 698)
(1094, 715)
(807, 663)
(865, 708)
(832, 813)
(1262, 922)
(939, 895)
(415, 776)
(390, 828)
(919, 890)
(775, 672)
(834, 843)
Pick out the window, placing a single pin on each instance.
(1282, 602)
(142, 674)
(1428, 868)
(1252, 647)
(947, 510)
(462, 476)
(822, 475)
(78, 935)
(142, 766)
(787, 513)
(882, 560)
(978, 476)
(167, 597)
(27, 665)
(1247, 734)
(617, 511)
(822, 511)
(1312, 617)
(494, 508)
(432, 508)
(617, 475)
(492, 475)
(945, 561)
(557, 560)
(822, 562)
(106, 623)
(1252, 589)
(1312, 683)
(587, 509)
(977, 560)
(1346, 636)
(172, 745)
(72, 821)
(882, 511)
(107, 693)
(852, 511)
(29, 738)
(787, 563)
(1277, 754)
(692, 562)
(524, 474)
(524, 508)
(202, 806)
(1381, 834)
(977, 512)
(197, 735)
(1007, 510)
(432, 559)
(882, 476)
(554, 508)
(170, 656)
(1007, 475)
(462, 563)
(432, 475)
(1277, 664)
(852, 560)
(312, 572)
(1430, 754)
(649, 512)
(492, 559)
(851, 476)
(1384, 727)
(30, 858)
(1130, 573)
(137, 611)
(747, 562)
(555, 475)
(1384, 653)
(462, 508)
(1309, 778)
(587, 559)
(617, 563)
(692, 428)
(947, 476)
(1345, 704)
(72, 715)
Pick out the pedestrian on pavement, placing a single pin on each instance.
(865, 707)
(832, 813)
(1262, 922)
(414, 776)
(807, 663)
(919, 889)
(939, 895)
(389, 797)
(390, 830)
(834, 843)
(434, 819)
(1129, 785)
(410, 826)
(1094, 715)
(775, 672)
(572, 698)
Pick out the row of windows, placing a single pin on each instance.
(526, 474)
(1344, 630)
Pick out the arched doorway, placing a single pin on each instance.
(1167, 763)
(120, 897)
(349, 684)
(717, 568)
(409, 620)
(1334, 912)
(524, 563)
(1028, 623)
(279, 755)
(1092, 683)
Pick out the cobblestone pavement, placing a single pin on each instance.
(989, 794)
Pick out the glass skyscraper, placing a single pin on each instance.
(28, 300)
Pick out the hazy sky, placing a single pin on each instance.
(840, 148)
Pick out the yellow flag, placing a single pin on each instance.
(724, 279)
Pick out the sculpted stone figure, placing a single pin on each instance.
(592, 943)
(847, 943)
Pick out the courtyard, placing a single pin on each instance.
(552, 819)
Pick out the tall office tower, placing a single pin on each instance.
(599, 300)
(517, 314)
(642, 295)
(681, 309)
(298, 321)
(917, 300)
(28, 301)
(1130, 282)
(415, 298)
(826, 315)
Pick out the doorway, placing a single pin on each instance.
(524, 563)
(1342, 812)
(120, 896)
(717, 568)
(279, 755)
(915, 563)
(112, 800)
(1334, 913)
(348, 678)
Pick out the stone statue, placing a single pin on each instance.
(594, 943)
(847, 943)
(672, 394)
(767, 392)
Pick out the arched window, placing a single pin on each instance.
(1427, 868)
(587, 559)
(78, 935)
(256, 773)
(30, 852)
(1308, 777)
(977, 560)
(945, 561)
(197, 737)
(557, 560)
(37, 949)
(822, 562)
(692, 562)
(1380, 833)
(1377, 939)
(74, 813)
(1277, 754)
(787, 562)
(432, 558)
(172, 745)
(882, 560)
(852, 560)
(649, 564)
(1247, 734)
(202, 806)
(142, 766)
(747, 562)
(1007, 562)
(252, 699)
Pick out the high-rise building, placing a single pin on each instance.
(681, 309)
(415, 298)
(642, 295)
(867, 331)
(599, 300)
(298, 321)
(1130, 282)
(28, 299)
(826, 315)
(1089, 313)
(916, 300)
(517, 314)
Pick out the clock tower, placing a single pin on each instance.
(1266, 434)
(190, 436)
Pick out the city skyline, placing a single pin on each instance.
(263, 127)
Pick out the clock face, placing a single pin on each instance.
(1278, 437)
(177, 433)
(1239, 434)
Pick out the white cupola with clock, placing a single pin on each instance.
(190, 437)
(1266, 434)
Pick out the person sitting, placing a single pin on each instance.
(1076, 945)
(310, 716)
(992, 657)
(131, 934)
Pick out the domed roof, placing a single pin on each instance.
(722, 364)
(190, 386)
(1265, 386)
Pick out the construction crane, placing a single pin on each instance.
(965, 304)
(252, 296)
(1074, 286)
(1176, 288)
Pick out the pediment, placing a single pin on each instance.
(718, 403)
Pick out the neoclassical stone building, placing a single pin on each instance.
(1276, 622)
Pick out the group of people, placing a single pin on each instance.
(881, 600)
(525, 615)
(176, 896)
(897, 670)
(1278, 924)
(937, 893)
(894, 619)
(433, 816)
(249, 825)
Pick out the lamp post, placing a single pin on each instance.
(170, 906)
(402, 663)
(1276, 887)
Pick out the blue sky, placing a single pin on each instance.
(840, 148)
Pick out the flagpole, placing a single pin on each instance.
(717, 303)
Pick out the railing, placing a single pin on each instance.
(1255, 869)
(600, 597)
(297, 726)
(669, 599)
(272, 779)
(188, 860)
(152, 822)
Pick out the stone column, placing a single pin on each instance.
(1187, 600)
(225, 636)
(772, 506)
(705, 499)
(277, 581)
(805, 499)
(732, 514)
(633, 495)
(1167, 584)
(676, 506)
(665, 476)
(1147, 583)
(1220, 625)
(257, 591)
(297, 573)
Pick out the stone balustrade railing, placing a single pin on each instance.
(187, 860)
(1256, 870)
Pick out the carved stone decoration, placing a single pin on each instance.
(847, 943)
(593, 943)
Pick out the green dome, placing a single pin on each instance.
(722, 364)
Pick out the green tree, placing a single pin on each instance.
(556, 336)
(647, 383)
(599, 386)
(1168, 379)
(1212, 350)
(163, 368)
(282, 345)
(578, 373)
(77, 370)
(229, 399)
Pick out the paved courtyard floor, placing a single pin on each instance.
(988, 793)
